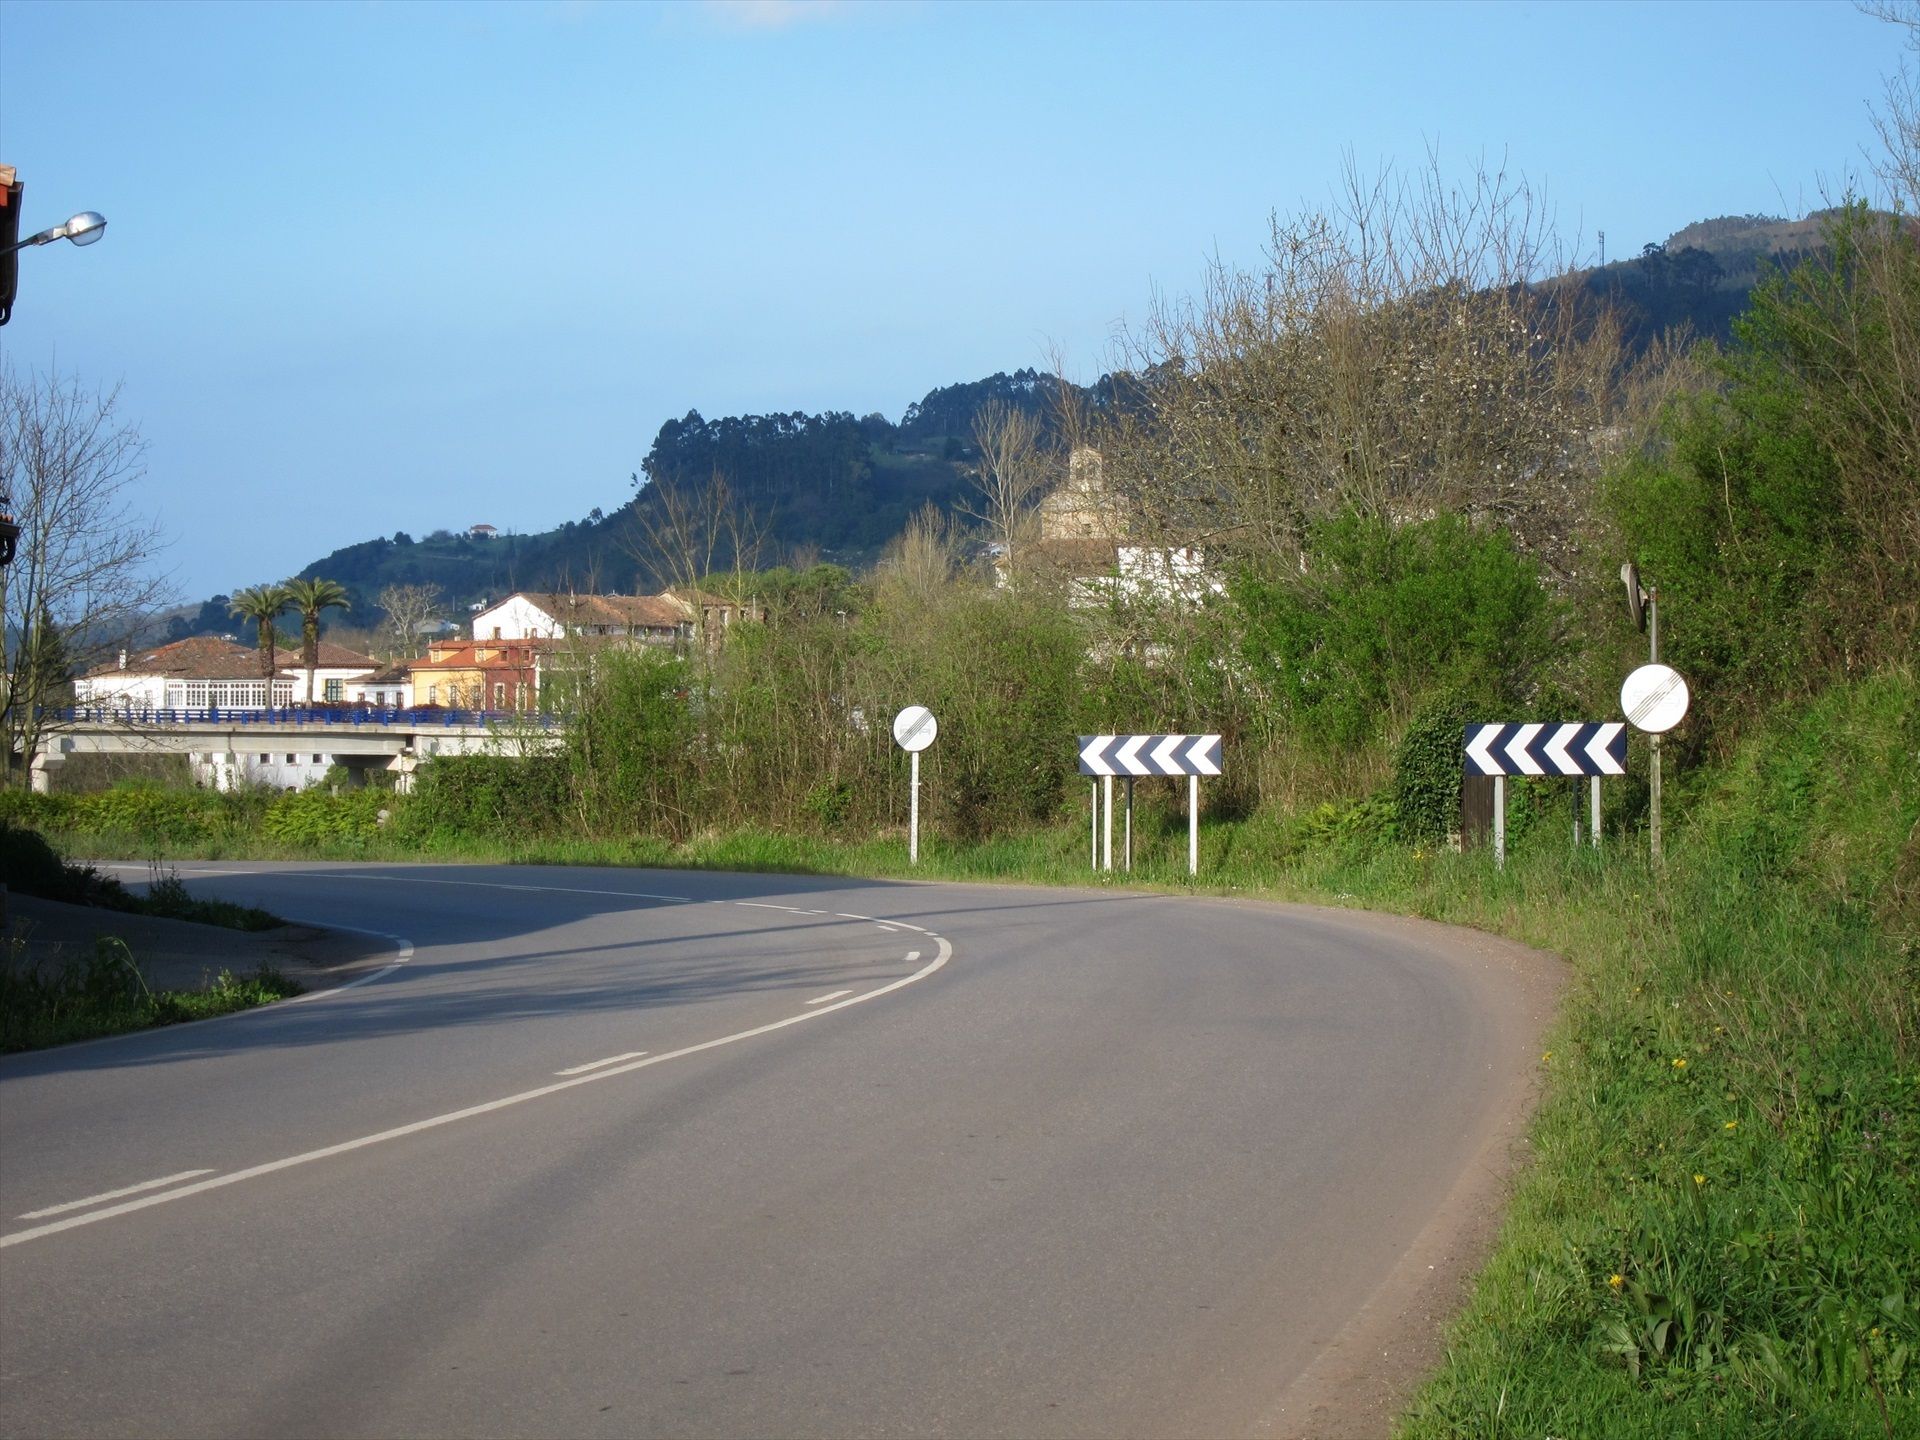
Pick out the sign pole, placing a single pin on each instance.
(1093, 824)
(1596, 812)
(1653, 627)
(1129, 860)
(914, 729)
(1106, 785)
(1500, 821)
(1193, 825)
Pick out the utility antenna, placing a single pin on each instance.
(1603, 249)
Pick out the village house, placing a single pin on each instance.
(479, 674)
(388, 688)
(669, 618)
(206, 672)
(1084, 537)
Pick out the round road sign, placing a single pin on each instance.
(914, 728)
(1654, 698)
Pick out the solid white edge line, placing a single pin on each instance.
(596, 1064)
(403, 950)
(112, 1195)
(74, 1222)
(834, 995)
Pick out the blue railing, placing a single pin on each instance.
(416, 718)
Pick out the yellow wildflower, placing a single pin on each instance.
(1616, 1281)
(1731, 1125)
(1680, 1062)
(1699, 1179)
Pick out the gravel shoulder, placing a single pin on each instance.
(180, 955)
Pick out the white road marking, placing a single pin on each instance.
(817, 1000)
(164, 1197)
(403, 949)
(595, 1064)
(107, 1195)
(763, 905)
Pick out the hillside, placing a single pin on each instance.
(837, 488)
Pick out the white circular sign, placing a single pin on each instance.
(914, 728)
(1654, 698)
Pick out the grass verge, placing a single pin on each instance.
(86, 997)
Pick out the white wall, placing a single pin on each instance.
(138, 692)
(516, 618)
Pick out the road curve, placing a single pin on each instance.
(674, 1153)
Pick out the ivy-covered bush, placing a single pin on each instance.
(488, 795)
(322, 820)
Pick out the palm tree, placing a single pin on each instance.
(310, 597)
(262, 604)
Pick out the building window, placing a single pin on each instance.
(499, 696)
(336, 690)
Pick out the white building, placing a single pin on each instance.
(206, 672)
(537, 615)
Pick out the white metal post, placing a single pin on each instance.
(1093, 824)
(1500, 821)
(913, 815)
(1653, 627)
(1596, 812)
(1193, 824)
(1129, 846)
(1106, 786)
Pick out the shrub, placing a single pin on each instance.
(315, 819)
(488, 795)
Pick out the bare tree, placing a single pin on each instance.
(919, 563)
(409, 610)
(82, 579)
(1398, 353)
(1009, 478)
(685, 534)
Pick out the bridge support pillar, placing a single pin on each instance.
(46, 764)
(403, 765)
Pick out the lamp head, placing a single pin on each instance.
(85, 228)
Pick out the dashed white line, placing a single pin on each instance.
(164, 1197)
(107, 1195)
(822, 999)
(594, 1065)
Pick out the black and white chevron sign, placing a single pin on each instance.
(1149, 754)
(1576, 747)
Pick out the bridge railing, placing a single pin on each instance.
(415, 718)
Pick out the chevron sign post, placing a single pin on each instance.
(1572, 747)
(1131, 756)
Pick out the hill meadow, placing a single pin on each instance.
(1412, 472)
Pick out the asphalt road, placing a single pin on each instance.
(667, 1153)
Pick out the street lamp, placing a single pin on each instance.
(83, 229)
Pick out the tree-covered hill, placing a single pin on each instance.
(837, 487)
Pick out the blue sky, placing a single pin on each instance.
(377, 266)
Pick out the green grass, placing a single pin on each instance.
(1719, 1232)
(85, 998)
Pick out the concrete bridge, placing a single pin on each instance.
(358, 738)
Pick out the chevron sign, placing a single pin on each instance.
(1149, 754)
(1573, 748)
